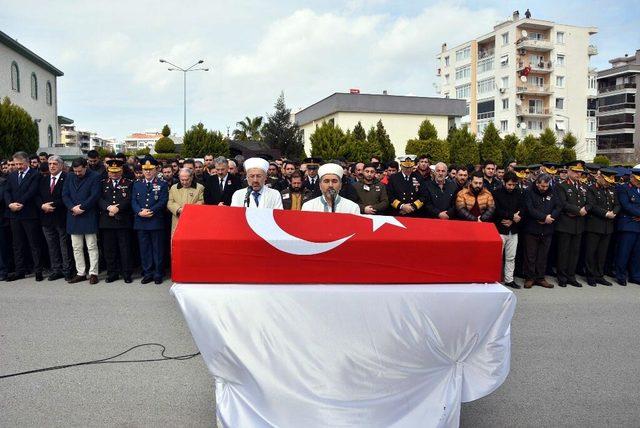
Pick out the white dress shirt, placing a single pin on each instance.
(269, 198)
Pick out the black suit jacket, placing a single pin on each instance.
(59, 216)
(120, 196)
(212, 194)
(24, 193)
(402, 192)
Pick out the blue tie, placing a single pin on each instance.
(256, 195)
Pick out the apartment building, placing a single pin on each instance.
(618, 123)
(81, 142)
(526, 75)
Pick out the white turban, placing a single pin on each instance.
(256, 163)
(331, 168)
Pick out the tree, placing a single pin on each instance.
(463, 148)
(602, 160)
(198, 142)
(387, 151)
(491, 145)
(568, 152)
(327, 141)
(357, 150)
(437, 150)
(282, 134)
(165, 144)
(509, 144)
(18, 131)
(427, 131)
(526, 152)
(249, 129)
(549, 150)
(359, 133)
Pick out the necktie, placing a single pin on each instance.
(20, 177)
(53, 185)
(221, 185)
(148, 186)
(256, 195)
(115, 184)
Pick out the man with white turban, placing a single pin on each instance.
(256, 195)
(330, 201)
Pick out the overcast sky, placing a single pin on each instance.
(114, 84)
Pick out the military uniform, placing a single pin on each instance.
(572, 197)
(628, 255)
(599, 228)
(116, 229)
(374, 195)
(152, 195)
(294, 200)
(406, 189)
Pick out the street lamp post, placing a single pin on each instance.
(184, 83)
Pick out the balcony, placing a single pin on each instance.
(592, 50)
(533, 112)
(535, 45)
(485, 53)
(544, 67)
(533, 90)
(604, 90)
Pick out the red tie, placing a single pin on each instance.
(53, 184)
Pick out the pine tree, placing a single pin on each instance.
(526, 152)
(437, 150)
(509, 145)
(359, 133)
(198, 142)
(491, 145)
(18, 131)
(280, 133)
(327, 141)
(568, 152)
(387, 151)
(165, 145)
(549, 150)
(463, 147)
(356, 150)
(427, 131)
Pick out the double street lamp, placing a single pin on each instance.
(184, 78)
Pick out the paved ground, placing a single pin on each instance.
(575, 362)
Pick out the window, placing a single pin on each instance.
(592, 125)
(15, 77)
(505, 104)
(534, 125)
(536, 36)
(446, 61)
(463, 91)
(485, 65)
(560, 37)
(486, 86)
(592, 82)
(560, 103)
(536, 81)
(504, 61)
(50, 136)
(535, 106)
(560, 60)
(446, 79)
(504, 125)
(49, 94)
(560, 81)
(34, 86)
(463, 53)
(463, 72)
(505, 39)
(505, 82)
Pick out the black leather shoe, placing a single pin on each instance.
(591, 282)
(146, 280)
(158, 281)
(15, 277)
(128, 280)
(574, 283)
(512, 284)
(111, 278)
(634, 281)
(39, 277)
(54, 276)
(562, 284)
(604, 282)
(620, 281)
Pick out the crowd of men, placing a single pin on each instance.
(121, 212)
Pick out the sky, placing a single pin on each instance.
(114, 84)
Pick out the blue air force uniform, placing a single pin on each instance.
(152, 195)
(628, 255)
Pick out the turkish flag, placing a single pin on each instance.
(219, 244)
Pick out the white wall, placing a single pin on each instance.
(38, 109)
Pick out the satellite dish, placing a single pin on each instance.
(523, 79)
(518, 102)
(524, 33)
(523, 125)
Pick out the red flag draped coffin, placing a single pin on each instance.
(217, 244)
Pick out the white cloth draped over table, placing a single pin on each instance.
(349, 355)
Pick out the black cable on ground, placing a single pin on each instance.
(109, 360)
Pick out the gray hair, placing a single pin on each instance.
(189, 171)
(443, 164)
(56, 158)
(20, 155)
(544, 177)
(221, 160)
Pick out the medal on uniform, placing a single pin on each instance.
(365, 187)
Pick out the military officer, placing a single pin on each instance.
(594, 170)
(312, 181)
(405, 190)
(550, 168)
(149, 203)
(116, 221)
(628, 255)
(522, 172)
(572, 197)
(372, 194)
(602, 207)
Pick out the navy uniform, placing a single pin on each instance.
(312, 183)
(406, 187)
(150, 195)
(628, 255)
(572, 196)
(116, 228)
(601, 199)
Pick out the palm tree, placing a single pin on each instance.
(249, 129)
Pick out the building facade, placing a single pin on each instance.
(400, 115)
(141, 140)
(618, 123)
(526, 75)
(30, 82)
(82, 141)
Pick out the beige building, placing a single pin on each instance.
(526, 75)
(400, 115)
